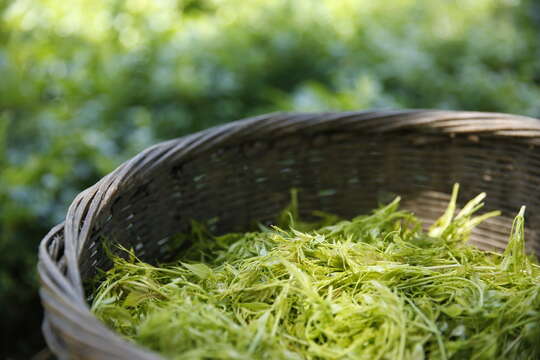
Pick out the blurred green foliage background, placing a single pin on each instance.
(86, 84)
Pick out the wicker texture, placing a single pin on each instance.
(343, 163)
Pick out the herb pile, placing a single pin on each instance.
(374, 287)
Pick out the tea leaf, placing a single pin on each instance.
(373, 287)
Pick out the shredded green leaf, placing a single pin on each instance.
(374, 287)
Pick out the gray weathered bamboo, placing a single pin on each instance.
(241, 172)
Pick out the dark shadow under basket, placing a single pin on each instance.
(343, 163)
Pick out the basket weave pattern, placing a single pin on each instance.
(241, 172)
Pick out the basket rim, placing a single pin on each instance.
(62, 293)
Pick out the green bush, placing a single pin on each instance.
(86, 85)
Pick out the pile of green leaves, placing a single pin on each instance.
(374, 287)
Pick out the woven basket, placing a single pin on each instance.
(343, 163)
